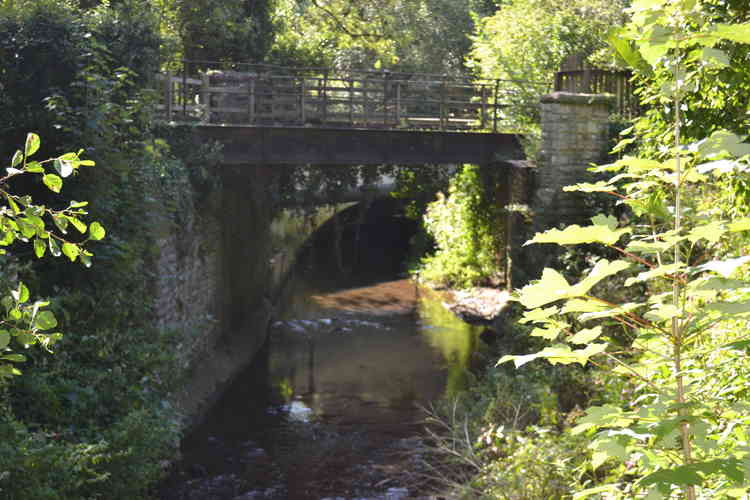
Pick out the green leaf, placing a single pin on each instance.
(663, 312)
(602, 416)
(96, 231)
(725, 267)
(607, 488)
(692, 474)
(601, 270)
(537, 315)
(39, 247)
(54, 248)
(34, 167)
(71, 251)
(86, 259)
(550, 287)
(603, 230)
(12, 203)
(53, 182)
(714, 57)
(723, 142)
(626, 49)
(606, 448)
(17, 159)
(742, 224)
(656, 272)
(739, 33)
(21, 295)
(16, 358)
(711, 232)
(32, 144)
(4, 339)
(730, 308)
(61, 222)
(80, 226)
(582, 305)
(586, 335)
(550, 331)
(597, 187)
(45, 320)
(26, 338)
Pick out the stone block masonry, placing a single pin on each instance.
(574, 135)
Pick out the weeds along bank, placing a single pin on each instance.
(94, 418)
(645, 321)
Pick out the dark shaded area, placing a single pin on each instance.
(372, 247)
(329, 406)
(332, 146)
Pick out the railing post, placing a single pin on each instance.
(484, 106)
(169, 102)
(184, 90)
(325, 96)
(351, 101)
(398, 103)
(442, 104)
(251, 100)
(302, 89)
(385, 98)
(586, 82)
(205, 98)
(496, 106)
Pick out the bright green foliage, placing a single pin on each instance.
(464, 226)
(682, 429)
(526, 40)
(416, 35)
(92, 420)
(26, 323)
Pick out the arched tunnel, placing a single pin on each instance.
(364, 243)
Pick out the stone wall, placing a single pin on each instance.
(219, 268)
(214, 281)
(574, 135)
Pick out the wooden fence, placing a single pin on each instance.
(597, 81)
(268, 96)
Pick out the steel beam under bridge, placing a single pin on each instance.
(245, 145)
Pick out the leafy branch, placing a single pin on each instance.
(26, 322)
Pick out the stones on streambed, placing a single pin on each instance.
(391, 494)
(327, 325)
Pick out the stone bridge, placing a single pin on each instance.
(273, 115)
(228, 262)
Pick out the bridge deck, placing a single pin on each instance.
(244, 145)
(318, 98)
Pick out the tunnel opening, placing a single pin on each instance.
(363, 244)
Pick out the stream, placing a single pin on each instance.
(333, 408)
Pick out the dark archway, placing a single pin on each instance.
(366, 243)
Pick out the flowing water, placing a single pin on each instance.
(333, 407)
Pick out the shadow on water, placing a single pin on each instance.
(331, 407)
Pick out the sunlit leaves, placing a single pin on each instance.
(96, 231)
(558, 354)
(602, 230)
(725, 267)
(25, 323)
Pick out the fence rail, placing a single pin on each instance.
(270, 95)
(597, 81)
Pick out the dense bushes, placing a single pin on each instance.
(464, 225)
(93, 419)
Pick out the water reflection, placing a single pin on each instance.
(336, 401)
(362, 365)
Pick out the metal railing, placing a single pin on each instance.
(265, 95)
